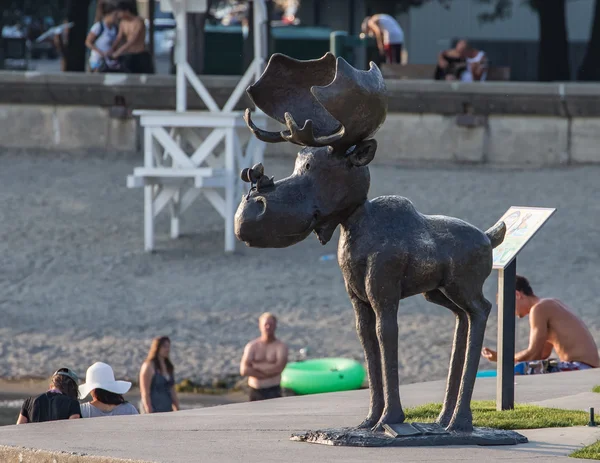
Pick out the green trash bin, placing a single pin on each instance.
(223, 53)
(348, 46)
(301, 42)
(225, 44)
(338, 44)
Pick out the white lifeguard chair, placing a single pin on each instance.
(170, 176)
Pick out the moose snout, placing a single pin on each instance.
(250, 211)
(256, 208)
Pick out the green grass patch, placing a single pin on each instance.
(596, 389)
(591, 452)
(522, 417)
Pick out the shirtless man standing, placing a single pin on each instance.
(263, 361)
(552, 326)
(130, 45)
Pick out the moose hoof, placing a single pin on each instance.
(444, 419)
(389, 418)
(368, 423)
(458, 425)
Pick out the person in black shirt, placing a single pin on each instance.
(58, 403)
(452, 63)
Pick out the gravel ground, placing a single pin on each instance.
(76, 286)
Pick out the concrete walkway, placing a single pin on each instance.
(259, 432)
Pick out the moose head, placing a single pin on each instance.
(339, 108)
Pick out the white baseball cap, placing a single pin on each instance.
(101, 376)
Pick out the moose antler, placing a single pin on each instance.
(304, 136)
(338, 104)
(357, 99)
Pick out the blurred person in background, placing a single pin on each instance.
(553, 326)
(61, 43)
(58, 403)
(101, 38)
(106, 392)
(157, 380)
(388, 34)
(264, 360)
(289, 9)
(477, 66)
(130, 45)
(452, 63)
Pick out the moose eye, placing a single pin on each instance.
(307, 166)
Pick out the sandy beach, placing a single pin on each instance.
(76, 286)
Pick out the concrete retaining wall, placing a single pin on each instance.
(23, 455)
(405, 96)
(405, 137)
(496, 122)
(65, 128)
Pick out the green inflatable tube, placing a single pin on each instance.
(317, 376)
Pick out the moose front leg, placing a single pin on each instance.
(365, 327)
(385, 304)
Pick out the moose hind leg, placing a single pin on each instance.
(457, 358)
(365, 327)
(478, 309)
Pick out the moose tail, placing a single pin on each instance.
(496, 234)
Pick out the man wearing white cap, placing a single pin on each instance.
(106, 392)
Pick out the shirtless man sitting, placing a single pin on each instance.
(130, 45)
(552, 326)
(263, 361)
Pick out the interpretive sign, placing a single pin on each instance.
(521, 224)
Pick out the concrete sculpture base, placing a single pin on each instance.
(410, 435)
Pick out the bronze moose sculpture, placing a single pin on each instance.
(387, 250)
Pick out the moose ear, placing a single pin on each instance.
(363, 153)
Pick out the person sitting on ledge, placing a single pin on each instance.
(107, 394)
(452, 63)
(58, 403)
(552, 326)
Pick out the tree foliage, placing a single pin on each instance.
(552, 15)
(503, 9)
(402, 6)
(553, 52)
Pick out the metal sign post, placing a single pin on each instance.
(522, 223)
(505, 380)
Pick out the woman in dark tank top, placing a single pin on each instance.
(157, 380)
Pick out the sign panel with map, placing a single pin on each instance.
(521, 224)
